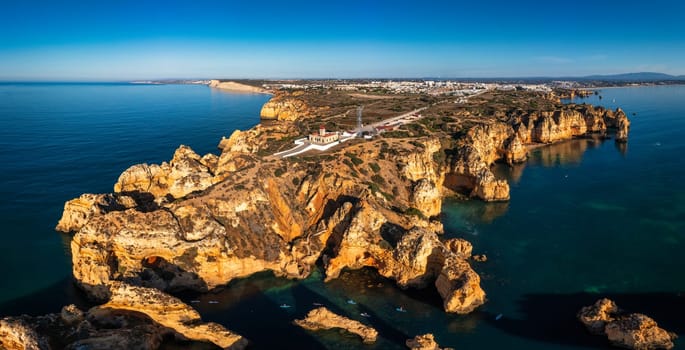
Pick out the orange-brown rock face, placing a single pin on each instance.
(417, 258)
(284, 108)
(170, 313)
(322, 318)
(187, 172)
(132, 318)
(486, 143)
(423, 342)
(632, 331)
(17, 334)
(252, 220)
(78, 211)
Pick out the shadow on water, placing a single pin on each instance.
(551, 318)
(251, 306)
(47, 300)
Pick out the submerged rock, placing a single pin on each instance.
(322, 318)
(632, 331)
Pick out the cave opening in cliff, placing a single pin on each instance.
(152, 261)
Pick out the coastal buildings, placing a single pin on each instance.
(323, 137)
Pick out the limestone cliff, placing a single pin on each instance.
(187, 172)
(246, 219)
(133, 318)
(492, 141)
(236, 87)
(285, 107)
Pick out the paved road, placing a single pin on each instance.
(294, 150)
(399, 118)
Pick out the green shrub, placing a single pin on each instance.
(279, 171)
(415, 212)
(375, 167)
(356, 160)
(378, 179)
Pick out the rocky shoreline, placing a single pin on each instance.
(200, 222)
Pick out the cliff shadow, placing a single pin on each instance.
(252, 308)
(552, 318)
(50, 299)
(145, 201)
(385, 329)
(157, 272)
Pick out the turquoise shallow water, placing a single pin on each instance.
(587, 219)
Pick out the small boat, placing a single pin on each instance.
(400, 309)
(364, 314)
(213, 302)
(194, 301)
(317, 304)
(351, 302)
(497, 318)
(285, 306)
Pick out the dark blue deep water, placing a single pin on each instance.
(60, 140)
(587, 219)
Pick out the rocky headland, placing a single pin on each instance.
(233, 86)
(200, 222)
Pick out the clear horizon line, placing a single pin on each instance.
(530, 77)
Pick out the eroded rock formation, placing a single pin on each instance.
(491, 141)
(322, 318)
(171, 313)
(187, 172)
(284, 108)
(424, 342)
(133, 318)
(252, 220)
(632, 331)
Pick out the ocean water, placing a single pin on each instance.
(587, 219)
(60, 140)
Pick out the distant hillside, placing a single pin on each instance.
(640, 76)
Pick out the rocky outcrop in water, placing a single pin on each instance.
(424, 342)
(253, 220)
(322, 318)
(491, 141)
(133, 318)
(171, 313)
(417, 259)
(632, 331)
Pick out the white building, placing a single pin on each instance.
(323, 137)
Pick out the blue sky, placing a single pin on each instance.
(124, 40)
